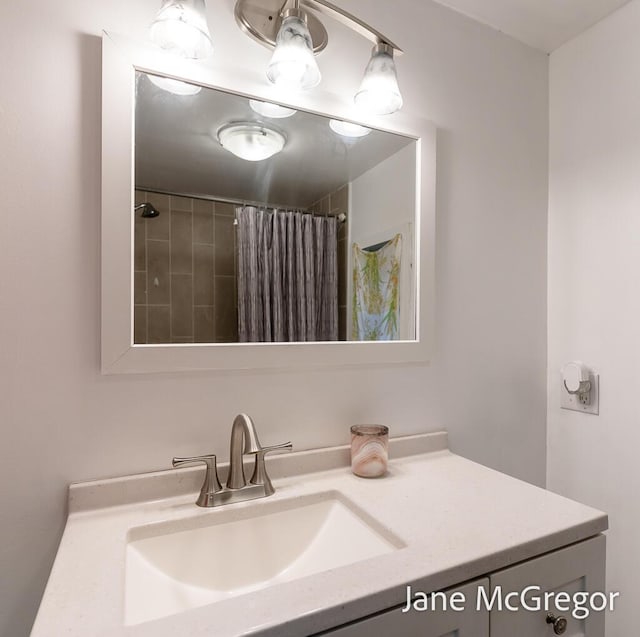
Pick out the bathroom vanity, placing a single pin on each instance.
(328, 554)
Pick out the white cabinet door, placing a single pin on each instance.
(430, 623)
(577, 568)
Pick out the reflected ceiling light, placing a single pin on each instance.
(181, 28)
(174, 86)
(347, 129)
(251, 141)
(379, 93)
(274, 111)
(297, 35)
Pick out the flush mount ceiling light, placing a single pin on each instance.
(251, 141)
(273, 111)
(181, 28)
(296, 36)
(347, 129)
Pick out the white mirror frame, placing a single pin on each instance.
(121, 59)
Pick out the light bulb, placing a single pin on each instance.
(273, 111)
(181, 27)
(379, 93)
(251, 141)
(174, 86)
(293, 65)
(347, 129)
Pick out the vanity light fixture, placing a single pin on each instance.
(251, 141)
(379, 93)
(293, 65)
(181, 28)
(273, 111)
(347, 129)
(297, 35)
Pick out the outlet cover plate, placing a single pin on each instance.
(571, 401)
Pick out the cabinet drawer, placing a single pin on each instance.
(577, 568)
(430, 623)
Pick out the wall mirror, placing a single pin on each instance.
(241, 231)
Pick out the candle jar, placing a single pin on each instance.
(369, 450)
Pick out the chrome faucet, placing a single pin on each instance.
(244, 440)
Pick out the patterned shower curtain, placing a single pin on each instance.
(287, 276)
(376, 291)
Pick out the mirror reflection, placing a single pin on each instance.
(256, 223)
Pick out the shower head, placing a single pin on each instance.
(148, 211)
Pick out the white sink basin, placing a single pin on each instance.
(174, 566)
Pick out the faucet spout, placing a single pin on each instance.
(244, 439)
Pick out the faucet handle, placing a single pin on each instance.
(260, 475)
(211, 484)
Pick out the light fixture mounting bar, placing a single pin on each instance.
(349, 20)
(261, 20)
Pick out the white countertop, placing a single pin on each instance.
(458, 519)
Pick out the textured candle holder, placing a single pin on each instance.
(369, 450)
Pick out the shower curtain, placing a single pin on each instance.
(287, 276)
(376, 291)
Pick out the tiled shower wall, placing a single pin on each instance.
(185, 272)
(335, 204)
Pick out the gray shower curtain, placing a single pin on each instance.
(287, 276)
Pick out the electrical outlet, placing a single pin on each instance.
(574, 403)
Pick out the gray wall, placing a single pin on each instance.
(62, 421)
(594, 286)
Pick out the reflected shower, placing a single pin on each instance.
(148, 211)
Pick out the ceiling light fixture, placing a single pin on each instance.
(273, 111)
(347, 129)
(181, 28)
(251, 141)
(297, 36)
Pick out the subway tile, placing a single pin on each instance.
(159, 227)
(176, 340)
(340, 201)
(139, 196)
(158, 283)
(202, 274)
(203, 325)
(140, 288)
(203, 205)
(323, 206)
(203, 226)
(181, 242)
(181, 305)
(183, 204)
(159, 328)
(226, 314)
(226, 209)
(140, 324)
(225, 236)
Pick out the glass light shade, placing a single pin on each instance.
(181, 27)
(347, 129)
(251, 141)
(174, 86)
(273, 111)
(379, 93)
(293, 65)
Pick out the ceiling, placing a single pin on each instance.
(176, 150)
(542, 24)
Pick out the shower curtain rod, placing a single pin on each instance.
(235, 202)
(240, 202)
